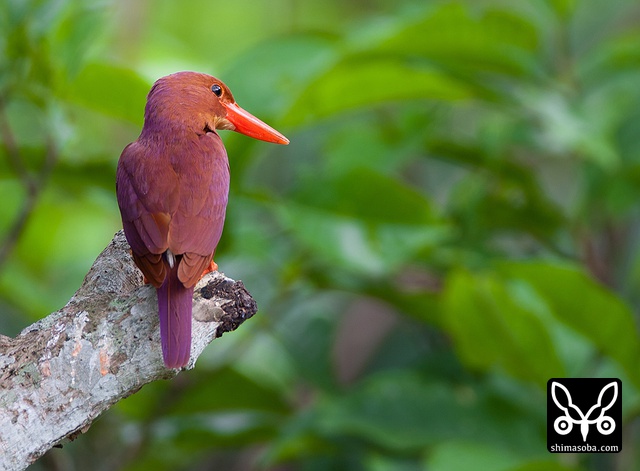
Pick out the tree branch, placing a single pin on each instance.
(63, 371)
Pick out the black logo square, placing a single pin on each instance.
(584, 415)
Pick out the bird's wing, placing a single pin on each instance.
(147, 196)
(174, 201)
(196, 225)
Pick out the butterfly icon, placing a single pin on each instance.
(573, 415)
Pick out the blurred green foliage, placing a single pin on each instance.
(455, 221)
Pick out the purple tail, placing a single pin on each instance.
(175, 303)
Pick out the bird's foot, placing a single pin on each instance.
(213, 266)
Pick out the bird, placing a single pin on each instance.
(172, 186)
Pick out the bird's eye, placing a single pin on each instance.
(215, 88)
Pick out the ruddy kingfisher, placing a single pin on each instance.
(172, 186)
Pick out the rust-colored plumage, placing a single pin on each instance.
(172, 185)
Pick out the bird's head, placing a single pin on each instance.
(202, 103)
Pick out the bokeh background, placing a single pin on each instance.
(455, 221)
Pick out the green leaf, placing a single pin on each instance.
(209, 394)
(275, 91)
(468, 39)
(71, 232)
(363, 81)
(369, 196)
(564, 8)
(546, 465)
(492, 328)
(307, 331)
(586, 307)
(456, 455)
(80, 28)
(362, 220)
(404, 412)
(500, 194)
(112, 90)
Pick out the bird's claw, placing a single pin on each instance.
(213, 266)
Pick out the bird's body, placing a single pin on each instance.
(172, 187)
